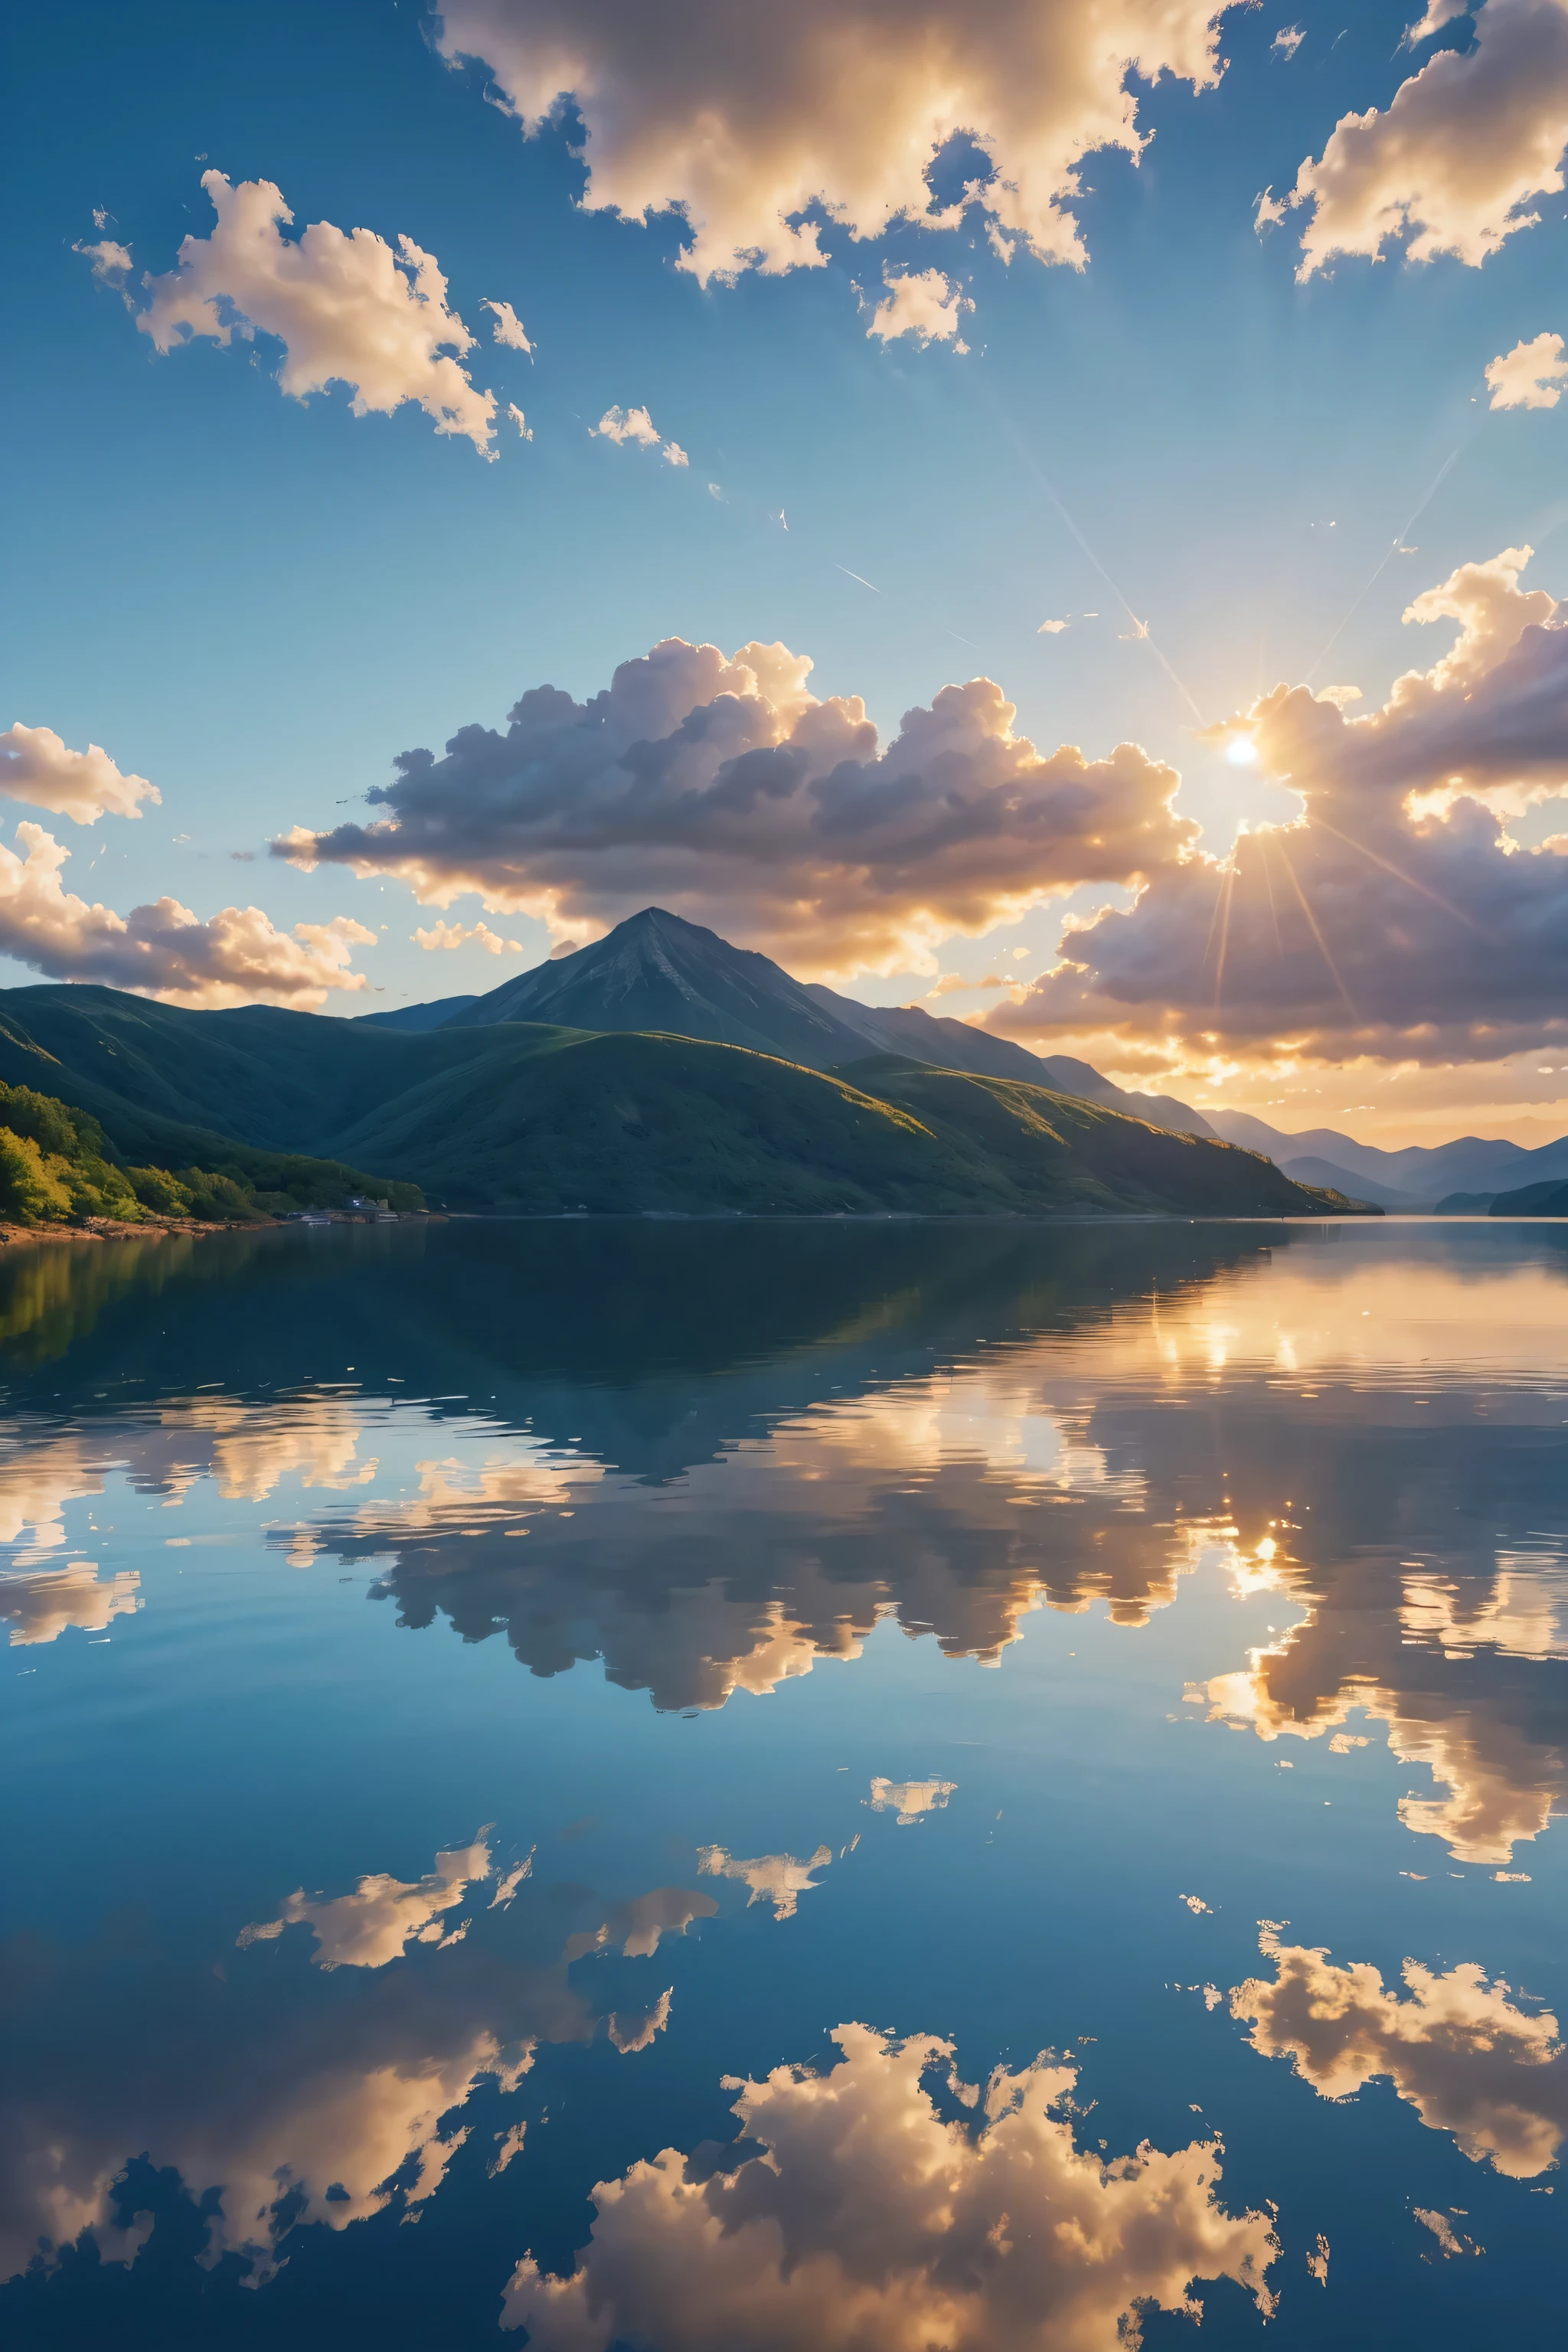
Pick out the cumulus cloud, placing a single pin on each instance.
(36, 767)
(1530, 376)
(923, 303)
(834, 106)
(622, 424)
(109, 260)
(1465, 146)
(463, 935)
(236, 956)
(675, 455)
(726, 791)
(1458, 2050)
(873, 2220)
(1397, 915)
(1052, 628)
(507, 329)
(1290, 37)
(525, 430)
(778, 1878)
(347, 310)
(384, 1915)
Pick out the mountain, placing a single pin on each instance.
(1324, 1174)
(418, 1017)
(656, 971)
(1420, 1175)
(1548, 1200)
(541, 1117)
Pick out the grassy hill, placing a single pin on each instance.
(533, 1117)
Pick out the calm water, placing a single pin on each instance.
(770, 1787)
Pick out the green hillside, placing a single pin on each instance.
(530, 1117)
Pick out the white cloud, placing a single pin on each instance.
(109, 260)
(1052, 628)
(525, 431)
(1268, 212)
(1288, 39)
(1532, 376)
(910, 1799)
(873, 2220)
(1457, 2049)
(675, 455)
(723, 789)
(835, 103)
(384, 1915)
(1465, 146)
(923, 303)
(778, 1878)
(236, 957)
(36, 767)
(623, 425)
(1439, 14)
(347, 309)
(509, 327)
(460, 935)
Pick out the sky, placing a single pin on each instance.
(1050, 511)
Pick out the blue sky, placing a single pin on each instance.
(257, 602)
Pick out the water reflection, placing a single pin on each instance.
(1463, 2054)
(283, 2096)
(1319, 1482)
(868, 2216)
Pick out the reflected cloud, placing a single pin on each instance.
(1456, 2049)
(42, 1605)
(777, 1878)
(910, 1799)
(871, 2219)
(384, 1915)
(278, 2102)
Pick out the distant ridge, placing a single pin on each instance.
(1418, 1176)
(416, 1018)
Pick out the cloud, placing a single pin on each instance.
(634, 425)
(953, 984)
(236, 957)
(722, 788)
(36, 767)
(1466, 145)
(1397, 917)
(1458, 2050)
(910, 1799)
(833, 106)
(372, 1926)
(347, 310)
(110, 261)
(1439, 14)
(1288, 39)
(1268, 212)
(507, 329)
(525, 431)
(1052, 628)
(279, 2098)
(461, 935)
(41, 1605)
(873, 2220)
(621, 424)
(923, 303)
(1530, 376)
(778, 1878)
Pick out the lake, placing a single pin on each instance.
(709, 1786)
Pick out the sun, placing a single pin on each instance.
(1241, 751)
